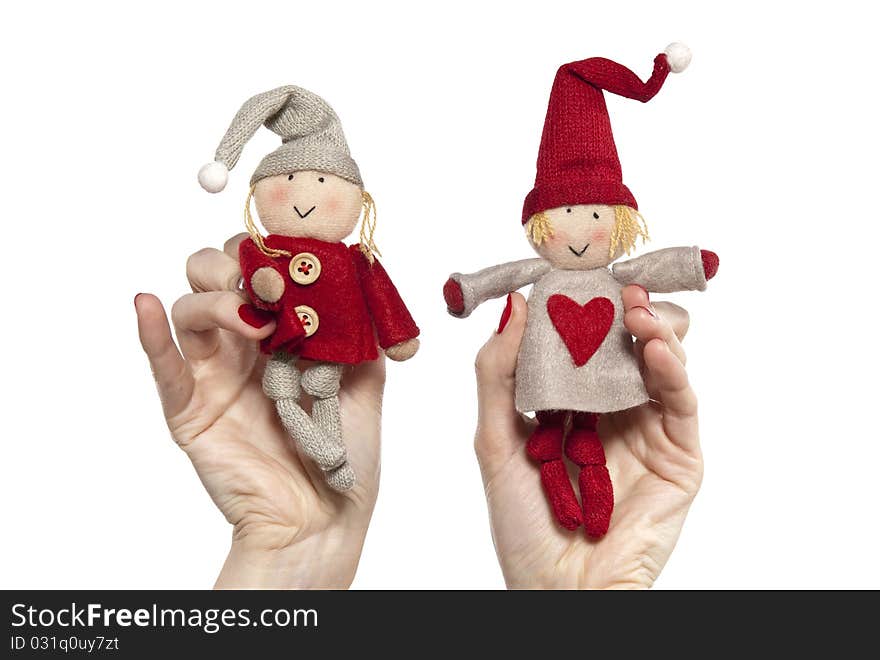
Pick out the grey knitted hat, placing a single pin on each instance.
(310, 131)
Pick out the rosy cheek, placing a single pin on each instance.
(599, 236)
(278, 195)
(332, 205)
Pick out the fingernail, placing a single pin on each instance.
(256, 318)
(136, 298)
(505, 315)
(647, 295)
(647, 309)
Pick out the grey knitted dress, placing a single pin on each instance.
(547, 377)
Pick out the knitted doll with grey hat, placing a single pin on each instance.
(576, 359)
(330, 302)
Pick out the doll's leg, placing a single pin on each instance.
(281, 383)
(597, 495)
(545, 445)
(322, 383)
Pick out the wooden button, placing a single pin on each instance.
(305, 268)
(309, 319)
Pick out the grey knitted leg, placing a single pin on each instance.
(281, 383)
(342, 478)
(322, 383)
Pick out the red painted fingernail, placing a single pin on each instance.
(256, 318)
(505, 315)
(647, 309)
(136, 298)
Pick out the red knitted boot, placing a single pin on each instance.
(597, 495)
(545, 445)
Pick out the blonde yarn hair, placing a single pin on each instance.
(368, 228)
(629, 224)
(539, 228)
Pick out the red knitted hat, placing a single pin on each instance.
(577, 161)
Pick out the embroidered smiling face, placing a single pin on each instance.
(308, 204)
(575, 237)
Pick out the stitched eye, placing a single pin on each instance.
(320, 179)
(595, 215)
(290, 177)
(568, 210)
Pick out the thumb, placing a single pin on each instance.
(499, 425)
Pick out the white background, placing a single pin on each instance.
(765, 151)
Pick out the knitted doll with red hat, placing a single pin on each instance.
(576, 359)
(330, 302)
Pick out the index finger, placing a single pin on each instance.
(173, 377)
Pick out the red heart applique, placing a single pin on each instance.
(583, 328)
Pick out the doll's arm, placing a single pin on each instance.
(464, 293)
(670, 269)
(394, 324)
(261, 276)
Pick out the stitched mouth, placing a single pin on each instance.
(306, 214)
(581, 253)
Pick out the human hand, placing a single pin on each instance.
(652, 452)
(289, 529)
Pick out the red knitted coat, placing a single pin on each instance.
(350, 297)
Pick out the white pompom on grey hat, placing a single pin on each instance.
(310, 131)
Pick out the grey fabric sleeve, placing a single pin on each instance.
(664, 271)
(497, 281)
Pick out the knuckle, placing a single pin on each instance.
(676, 318)
(199, 255)
(177, 309)
(233, 242)
(683, 321)
(484, 361)
(480, 448)
(488, 363)
(220, 303)
(194, 260)
(234, 281)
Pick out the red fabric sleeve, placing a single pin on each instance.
(392, 319)
(251, 260)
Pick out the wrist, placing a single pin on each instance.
(314, 563)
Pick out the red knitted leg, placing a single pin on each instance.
(560, 494)
(598, 498)
(585, 420)
(545, 445)
(597, 495)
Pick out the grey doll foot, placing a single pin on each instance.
(340, 479)
(314, 441)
